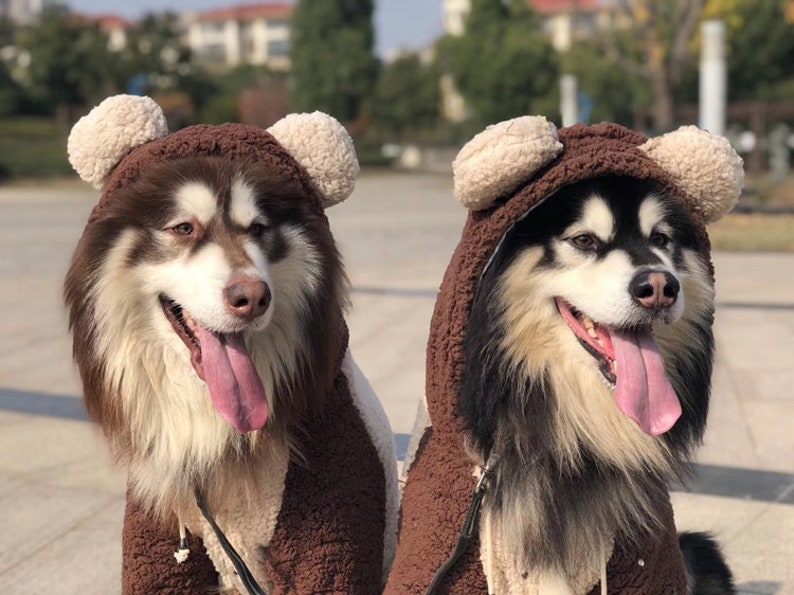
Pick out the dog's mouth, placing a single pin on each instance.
(631, 363)
(223, 362)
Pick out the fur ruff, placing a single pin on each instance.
(139, 382)
(572, 473)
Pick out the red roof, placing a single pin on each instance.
(247, 12)
(106, 22)
(550, 7)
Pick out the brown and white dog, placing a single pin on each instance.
(206, 301)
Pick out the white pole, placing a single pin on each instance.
(713, 77)
(568, 104)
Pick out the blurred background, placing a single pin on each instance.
(411, 79)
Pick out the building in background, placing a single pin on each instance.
(22, 11)
(564, 21)
(245, 34)
(114, 26)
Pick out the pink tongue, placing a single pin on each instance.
(643, 391)
(235, 387)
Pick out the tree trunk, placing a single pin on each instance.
(663, 105)
(656, 55)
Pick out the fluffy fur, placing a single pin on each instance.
(138, 378)
(572, 473)
(157, 263)
(707, 572)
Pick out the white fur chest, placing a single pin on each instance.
(247, 522)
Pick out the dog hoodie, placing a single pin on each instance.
(499, 176)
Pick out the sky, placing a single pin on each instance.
(399, 24)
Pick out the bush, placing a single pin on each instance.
(33, 148)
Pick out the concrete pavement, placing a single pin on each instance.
(61, 501)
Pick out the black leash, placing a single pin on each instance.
(466, 533)
(248, 580)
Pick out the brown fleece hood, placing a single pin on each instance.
(500, 175)
(332, 521)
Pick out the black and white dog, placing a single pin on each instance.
(590, 334)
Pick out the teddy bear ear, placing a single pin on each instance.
(704, 165)
(102, 138)
(500, 158)
(324, 148)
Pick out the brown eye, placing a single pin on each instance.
(660, 239)
(257, 229)
(585, 242)
(183, 229)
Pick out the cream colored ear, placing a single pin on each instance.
(704, 165)
(324, 148)
(108, 132)
(500, 158)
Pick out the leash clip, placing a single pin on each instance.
(482, 483)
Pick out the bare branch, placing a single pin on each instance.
(623, 12)
(612, 51)
(687, 17)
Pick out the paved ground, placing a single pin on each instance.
(61, 501)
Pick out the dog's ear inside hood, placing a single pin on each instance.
(503, 172)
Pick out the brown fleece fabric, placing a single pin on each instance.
(229, 141)
(653, 566)
(329, 535)
(330, 529)
(148, 564)
(440, 483)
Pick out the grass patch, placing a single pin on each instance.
(32, 148)
(753, 232)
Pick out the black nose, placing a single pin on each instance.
(247, 297)
(654, 289)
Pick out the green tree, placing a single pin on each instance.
(333, 64)
(760, 48)
(653, 39)
(502, 65)
(154, 48)
(406, 96)
(70, 64)
(616, 95)
(220, 102)
(10, 93)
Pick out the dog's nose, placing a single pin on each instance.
(655, 289)
(247, 297)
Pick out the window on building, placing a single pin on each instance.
(214, 52)
(278, 48)
(277, 25)
(213, 27)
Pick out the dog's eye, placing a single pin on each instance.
(257, 229)
(660, 239)
(183, 229)
(585, 241)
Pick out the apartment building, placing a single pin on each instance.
(563, 20)
(114, 26)
(244, 34)
(22, 12)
